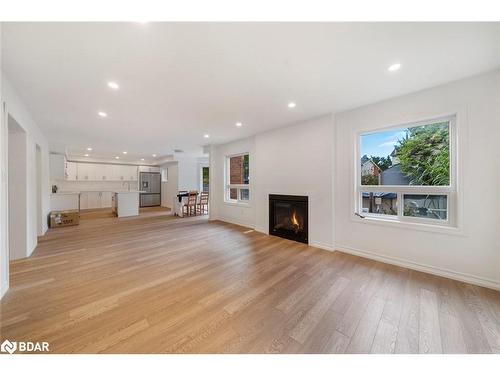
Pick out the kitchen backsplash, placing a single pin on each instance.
(95, 185)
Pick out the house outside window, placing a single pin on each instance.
(407, 173)
(238, 179)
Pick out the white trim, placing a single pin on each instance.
(238, 187)
(438, 271)
(3, 289)
(453, 225)
(323, 246)
(234, 221)
(408, 224)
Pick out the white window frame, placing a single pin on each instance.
(164, 174)
(450, 190)
(239, 187)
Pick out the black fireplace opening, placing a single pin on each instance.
(288, 217)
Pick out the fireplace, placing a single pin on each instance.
(288, 217)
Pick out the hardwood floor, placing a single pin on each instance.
(159, 284)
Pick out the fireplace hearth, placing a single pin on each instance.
(288, 217)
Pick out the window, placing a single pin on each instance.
(237, 179)
(205, 179)
(407, 173)
(164, 174)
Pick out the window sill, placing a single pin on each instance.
(245, 205)
(443, 229)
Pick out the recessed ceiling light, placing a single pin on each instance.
(89, 148)
(154, 155)
(206, 135)
(86, 155)
(239, 124)
(124, 152)
(117, 157)
(142, 159)
(292, 105)
(113, 85)
(394, 67)
(102, 114)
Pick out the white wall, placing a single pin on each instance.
(220, 210)
(15, 107)
(188, 173)
(316, 158)
(473, 255)
(17, 182)
(4, 251)
(170, 188)
(295, 160)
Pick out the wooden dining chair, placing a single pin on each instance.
(203, 204)
(190, 205)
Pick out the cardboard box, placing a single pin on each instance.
(64, 218)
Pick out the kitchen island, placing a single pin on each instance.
(125, 203)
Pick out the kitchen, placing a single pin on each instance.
(80, 185)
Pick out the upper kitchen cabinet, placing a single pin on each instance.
(132, 173)
(86, 172)
(145, 168)
(120, 172)
(71, 171)
(61, 169)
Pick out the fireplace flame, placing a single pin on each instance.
(294, 220)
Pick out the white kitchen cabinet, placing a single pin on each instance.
(106, 199)
(108, 172)
(144, 168)
(71, 171)
(95, 199)
(132, 173)
(120, 172)
(86, 172)
(84, 201)
(99, 172)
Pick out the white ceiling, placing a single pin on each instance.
(181, 80)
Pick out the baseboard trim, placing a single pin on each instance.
(321, 245)
(233, 221)
(3, 290)
(443, 272)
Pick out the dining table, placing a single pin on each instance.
(179, 201)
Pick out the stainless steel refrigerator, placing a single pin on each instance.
(150, 184)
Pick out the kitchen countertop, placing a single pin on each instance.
(66, 193)
(97, 191)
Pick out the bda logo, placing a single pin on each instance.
(9, 347)
(24, 346)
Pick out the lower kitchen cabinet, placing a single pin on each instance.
(95, 199)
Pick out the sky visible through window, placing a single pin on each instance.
(382, 143)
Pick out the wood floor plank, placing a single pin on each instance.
(429, 329)
(160, 284)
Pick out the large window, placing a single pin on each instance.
(408, 173)
(238, 179)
